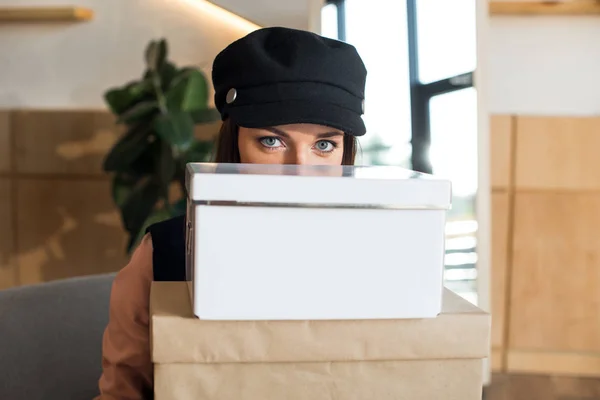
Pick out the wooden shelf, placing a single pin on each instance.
(565, 7)
(44, 14)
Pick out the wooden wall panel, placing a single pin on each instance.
(66, 224)
(67, 142)
(67, 228)
(497, 359)
(8, 272)
(5, 151)
(555, 303)
(558, 153)
(557, 363)
(500, 152)
(500, 216)
(553, 254)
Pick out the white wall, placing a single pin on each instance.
(71, 65)
(483, 199)
(289, 13)
(544, 65)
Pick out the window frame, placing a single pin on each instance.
(420, 93)
(340, 6)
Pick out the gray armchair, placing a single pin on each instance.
(51, 338)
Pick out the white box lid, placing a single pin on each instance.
(367, 186)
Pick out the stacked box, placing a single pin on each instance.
(416, 359)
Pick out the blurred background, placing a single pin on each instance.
(501, 97)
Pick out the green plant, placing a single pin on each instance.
(159, 112)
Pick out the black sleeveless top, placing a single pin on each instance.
(168, 243)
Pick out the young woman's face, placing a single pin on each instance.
(291, 144)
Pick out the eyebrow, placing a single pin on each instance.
(320, 135)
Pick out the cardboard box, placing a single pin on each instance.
(374, 235)
(417, 359)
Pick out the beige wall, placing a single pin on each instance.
(542, 65)
(546, 244)
(70, 65)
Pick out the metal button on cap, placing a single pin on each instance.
(231, 96)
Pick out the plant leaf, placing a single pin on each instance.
(175, 93)
(128, 148)
(189, 91)
(196, 95)
(166, 169)
(139, 204)
(181, 75)
(168, 72)
(120, 99)
(138, 112)
(156, 54)
(121, 189)
(199, 151)
(176, 128)
(145, 164)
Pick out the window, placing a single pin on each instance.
(421, 106)
(333, 20)
(387, 104)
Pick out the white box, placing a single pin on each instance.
(289, 242)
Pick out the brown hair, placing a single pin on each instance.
(227, 150)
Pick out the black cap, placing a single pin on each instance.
(278, 76)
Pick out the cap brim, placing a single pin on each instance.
(298, 112)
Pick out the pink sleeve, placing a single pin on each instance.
(127, 367)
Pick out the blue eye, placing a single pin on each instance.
(325, 146)
(270, 141)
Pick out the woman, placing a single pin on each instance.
(286, 97)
